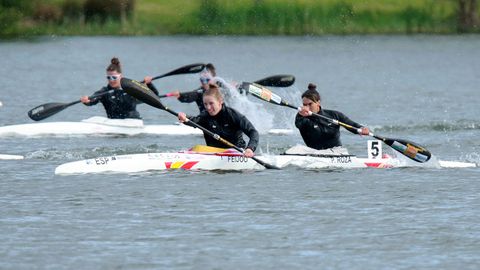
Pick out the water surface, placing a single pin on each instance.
(422, 88)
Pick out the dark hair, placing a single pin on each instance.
(211, 68)
(213, 90)
(312, 93)
(114, 65)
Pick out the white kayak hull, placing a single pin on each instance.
(158, 162)
(135, 163)
(95, 126)
(65, 129)
(98, 126)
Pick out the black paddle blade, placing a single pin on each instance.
(46, 110)
(192, 68)
(141, 92)
(277, 81)
(409, 149)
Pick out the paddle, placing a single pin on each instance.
(277, 81)
(144, 94)
(407, 148)
(188, 69)
(274, 81)
(48, 109)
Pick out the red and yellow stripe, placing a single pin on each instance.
(186, 165)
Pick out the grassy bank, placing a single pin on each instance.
(322, 17)
(250, 17)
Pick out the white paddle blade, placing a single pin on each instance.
(262, 93)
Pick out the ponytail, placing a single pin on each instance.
(312, 93)
(115, 65)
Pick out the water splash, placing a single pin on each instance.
(255, 112)
(471, 157)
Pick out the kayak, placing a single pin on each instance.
(338, 157)
(9, 157)
(193, 159)
(98, 125)
(207, 158)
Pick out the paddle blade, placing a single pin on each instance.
(408, 149)
(141, 92)
(266, 165)
(192, 68)
(48, 109)
(277, 81)
(262, 93)
(265, 94)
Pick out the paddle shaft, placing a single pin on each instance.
(334, 121)
(172, 94)
(407, 148)
(193, 68)
(275, 80)
(48, 109)
(222, 140)
(142, 93)
(90, 98)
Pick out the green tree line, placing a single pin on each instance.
(26, 18)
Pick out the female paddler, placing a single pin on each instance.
(117, 103)
(207, 77)
(318, 133)
(224, 121)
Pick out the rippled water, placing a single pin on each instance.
(422, 88)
